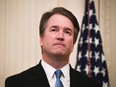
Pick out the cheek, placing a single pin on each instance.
(70, 44)
(45, 40)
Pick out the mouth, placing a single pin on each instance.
(59, 44)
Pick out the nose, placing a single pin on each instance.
(60, 36)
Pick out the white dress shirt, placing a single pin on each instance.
(49, 70)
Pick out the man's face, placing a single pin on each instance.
(58, 36)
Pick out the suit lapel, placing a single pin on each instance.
(74, 78)
(39, 78)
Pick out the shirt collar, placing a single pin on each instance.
(66, 70)
(49, 70)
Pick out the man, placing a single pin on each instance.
(58, 33)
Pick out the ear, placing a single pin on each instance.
(41, 41)
(72, 48)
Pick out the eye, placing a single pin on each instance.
(68, 32)
(54, 29)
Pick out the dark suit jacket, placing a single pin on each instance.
(36, 77)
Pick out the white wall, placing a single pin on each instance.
(19, 32)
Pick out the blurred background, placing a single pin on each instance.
(19, 33)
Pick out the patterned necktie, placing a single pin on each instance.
(58, 74)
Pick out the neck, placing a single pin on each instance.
(57, 62)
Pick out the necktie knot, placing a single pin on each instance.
(58, 73)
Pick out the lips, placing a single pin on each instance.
(59, 44)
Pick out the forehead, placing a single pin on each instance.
(60, 20)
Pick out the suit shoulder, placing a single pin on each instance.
(24, 73)
(24, 76)
(84, 81)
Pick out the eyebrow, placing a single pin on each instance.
(67, 28)
(54, 26)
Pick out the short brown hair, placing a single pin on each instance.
(62, 11)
